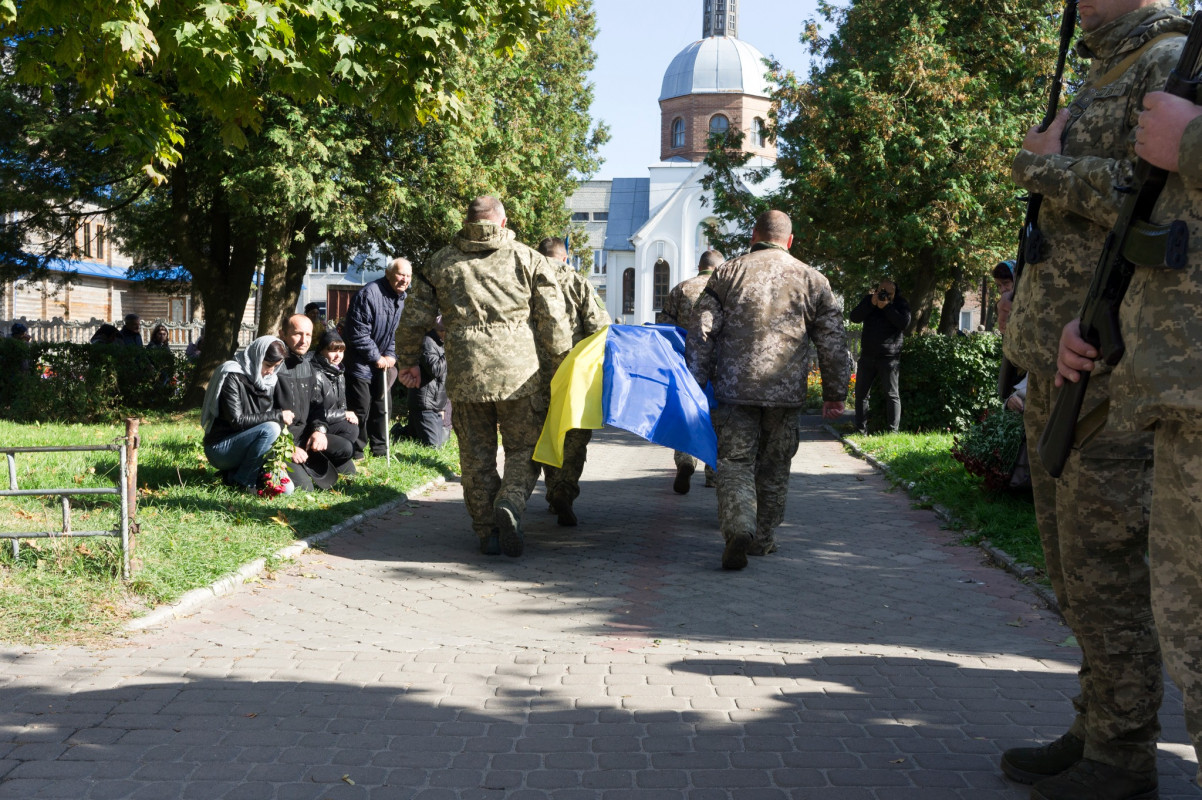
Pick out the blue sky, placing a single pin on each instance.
(636, 42)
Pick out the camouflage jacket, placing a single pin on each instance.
(497, 297)
(1160, 376)
(751, 329)
(584, 312)
(678, 308)
(1082, 186)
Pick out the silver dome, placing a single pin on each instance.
(717, 65)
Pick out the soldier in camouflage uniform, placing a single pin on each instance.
(497, 297)
(749, 336)
(678, 311)
(1093, 521)
(586, 315)
(1158, 385)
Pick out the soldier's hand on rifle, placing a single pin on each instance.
(1076, 355)
(1004, 304)
(410, 377)
(1162, 123)
(1047, 143)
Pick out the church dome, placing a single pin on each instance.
(716, 65)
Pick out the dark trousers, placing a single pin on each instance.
(366, 399)
(425, 427)
(870, 370)
(340, 445)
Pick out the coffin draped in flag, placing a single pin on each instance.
(634, 378)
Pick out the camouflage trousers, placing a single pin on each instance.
(682, 458)
(756, 445)
(1093, 523)
(1176, 552)
(566, 479)
(476, 425)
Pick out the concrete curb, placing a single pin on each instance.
(1024, 572)
(228, 584)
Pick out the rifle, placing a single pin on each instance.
(1030, 240)
(1134, 241)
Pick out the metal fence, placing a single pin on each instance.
(126, 489)
(179, 334)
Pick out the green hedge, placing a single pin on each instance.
(947, 383)
(64, 382)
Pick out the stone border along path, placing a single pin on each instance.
(872, 658)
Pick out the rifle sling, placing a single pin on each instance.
(1164, 246)
(1116, 72)
(1091, 423)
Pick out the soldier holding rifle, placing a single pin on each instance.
(1093, 521)
(1158, 385)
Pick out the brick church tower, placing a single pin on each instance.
(713, 85)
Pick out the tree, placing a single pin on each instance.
(140, 63)
(894, 155)
(525, 135)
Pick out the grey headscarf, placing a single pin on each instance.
(249, 363)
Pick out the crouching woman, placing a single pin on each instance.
(239, 415)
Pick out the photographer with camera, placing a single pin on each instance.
(885, 315)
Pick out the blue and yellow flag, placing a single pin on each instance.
(633, 378)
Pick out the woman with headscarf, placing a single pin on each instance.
(239, 416)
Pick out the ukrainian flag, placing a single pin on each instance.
(633, 378)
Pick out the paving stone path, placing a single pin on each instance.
(871, 657)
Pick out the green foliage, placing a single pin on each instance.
(193, 530)
(988, 448)
(923, 463)
(946, 382)
(895, 153)
(136, 62)
(76, 382)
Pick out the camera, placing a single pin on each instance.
(883, 296)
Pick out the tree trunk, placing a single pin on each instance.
(222, 277)
(922, 294)
(274, 305)
(953, 301)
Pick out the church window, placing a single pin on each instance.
(659, 284)
(678, 132)
(628, 291)
(758, 136)
(719, 124)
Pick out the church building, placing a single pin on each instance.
(647, 233)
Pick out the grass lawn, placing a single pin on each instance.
(193, 529)
(1006, 519)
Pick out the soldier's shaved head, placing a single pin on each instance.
(553, 248)
(773, 226)
(709, 260)
(485, 207)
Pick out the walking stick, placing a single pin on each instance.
(387, 416)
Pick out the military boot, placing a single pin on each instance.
(1093, 780)
(762, 546)
(735, 555)
(490, 545)
(510, 526)
(1031, 764)
(561, 504)
(683, 473)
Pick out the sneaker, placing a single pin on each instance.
(1031, 764)
(1093, 780)
(490, 545)
(735, 555)
(762, 547)
(509, 524)
(683, 473)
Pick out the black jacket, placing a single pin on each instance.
(331, 389)
(883, 327)
(432, 394)
(296, 390)
(240, 407)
